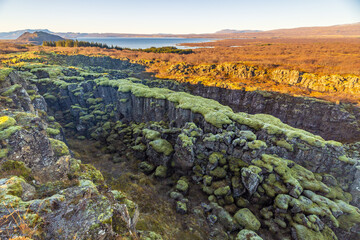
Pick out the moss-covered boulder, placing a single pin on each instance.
(247, 219)
(246, 234)
(182, 186)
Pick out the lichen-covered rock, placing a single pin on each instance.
(247, 219)
(182, 186)
(45, 193)
(251, 178)
(246, 234)
(224, 218)
(161, 171)
(146, 167)
(181, 207)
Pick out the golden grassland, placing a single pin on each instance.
(322, 56)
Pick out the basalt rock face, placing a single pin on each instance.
(327, 83)
(45, 192)
(331, 121)
(291, 182)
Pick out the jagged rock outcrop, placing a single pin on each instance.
(338, 122)
(45, 192)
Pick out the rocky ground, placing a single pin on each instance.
(175, 165)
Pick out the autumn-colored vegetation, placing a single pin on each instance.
(322, 56)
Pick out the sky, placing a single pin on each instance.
(178, 17)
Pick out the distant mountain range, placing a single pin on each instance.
(327, 31)
(16, 34)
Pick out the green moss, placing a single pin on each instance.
(59, 147)
(87, 118)
(52, 131)
(218, 172)
(16, 168)
(6, 121)
(31, 92)
(181, 207)
(6, 133)
(296, 176)
(98, 112)
(151, 134)
(216, 158)
(162, 146)
(51, 118)
(283, 143)
(146, 167)
(186, 140)
(351, 215)
(282, 201)
(344, 158)
(89, 172)
(4, 152)
(257, 144)
(246, 234)
(14, 186)
(222, 191)
(4, 72)
(248, 135)
(140, 147)
(304, 233)
(247, 219)
(11, 90)
(161, 171)
(94, 101)
(48, 96)
(182, 186)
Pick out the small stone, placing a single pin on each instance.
(176, 195)
(212, 219)
(181, 207)
(207, 180)
(206, 207)
(212, 198)
(229, 199)
(224, 218)
(231, 208)
(208, 190)
(251, 178)
(242, 202)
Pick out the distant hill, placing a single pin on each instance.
(230, 31)
(18, 33)
(37, 38)
(344, 30)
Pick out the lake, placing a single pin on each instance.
(145, 42)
